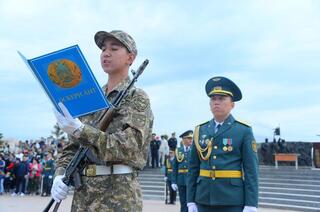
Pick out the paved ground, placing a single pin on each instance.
(36, 203)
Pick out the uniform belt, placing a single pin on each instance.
(220, 173)
(169, 170)
(94, 170)
(183, 170)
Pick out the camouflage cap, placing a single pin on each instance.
(121, 36)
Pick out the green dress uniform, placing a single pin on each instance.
(168, 173)
(223, 167)
(180, 170)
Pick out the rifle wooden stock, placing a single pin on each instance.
(106, 119)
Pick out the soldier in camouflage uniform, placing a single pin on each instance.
(122, 148)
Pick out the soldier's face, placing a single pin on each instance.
(115, 57)
(221, 107)
(187, 141)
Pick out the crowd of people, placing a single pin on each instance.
(159, 149)
(28, 167)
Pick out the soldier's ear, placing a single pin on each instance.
(232, 105)
(131, 57)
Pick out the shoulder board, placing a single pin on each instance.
(203, 123)
(244, 123)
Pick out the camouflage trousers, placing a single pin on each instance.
(108, 193)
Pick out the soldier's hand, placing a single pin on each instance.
(59, 190)
(66, 122)
(174, 187)
(192, 207)
(249, 209)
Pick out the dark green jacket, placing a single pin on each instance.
(240, 157)
(169, 168)
(181, 154)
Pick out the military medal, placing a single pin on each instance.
(230, 145)
(225, 142)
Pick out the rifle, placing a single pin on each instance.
(84, 155)
(106, 117)
(166, 184)
(166, 192)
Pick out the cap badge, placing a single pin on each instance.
(217, 88)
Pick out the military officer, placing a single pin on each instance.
(223, 166)
(180, 168)
(168, 176)
(110, 184)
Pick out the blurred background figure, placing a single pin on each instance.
(154, 147)
(172, 142)
(35, 170)
(2, 174)
(48, 172)
(163, 150)
(20, 171)
(168, 177)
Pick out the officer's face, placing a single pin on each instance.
(115, 57)
(187, 141)
(221, 106)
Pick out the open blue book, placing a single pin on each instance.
(66, 77)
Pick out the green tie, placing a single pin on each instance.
(217, 128)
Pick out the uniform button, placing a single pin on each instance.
(214, 157)
(215, 147)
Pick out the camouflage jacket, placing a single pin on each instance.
(125, 141)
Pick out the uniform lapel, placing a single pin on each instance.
(209, 130)
(225, 126)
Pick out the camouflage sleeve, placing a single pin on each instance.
(127, 138)
(68, 152)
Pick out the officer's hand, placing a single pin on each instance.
(66, 122)
(165, 179)
(249, 209)
(174, 187)
(192, 207)
(59, 190)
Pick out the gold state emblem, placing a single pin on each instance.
(64, 73)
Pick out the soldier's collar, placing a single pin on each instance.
(216, 123)
(213, 122)
(118, 87)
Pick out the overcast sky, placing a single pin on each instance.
(270, 49)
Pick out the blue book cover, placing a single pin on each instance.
(66, 77)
